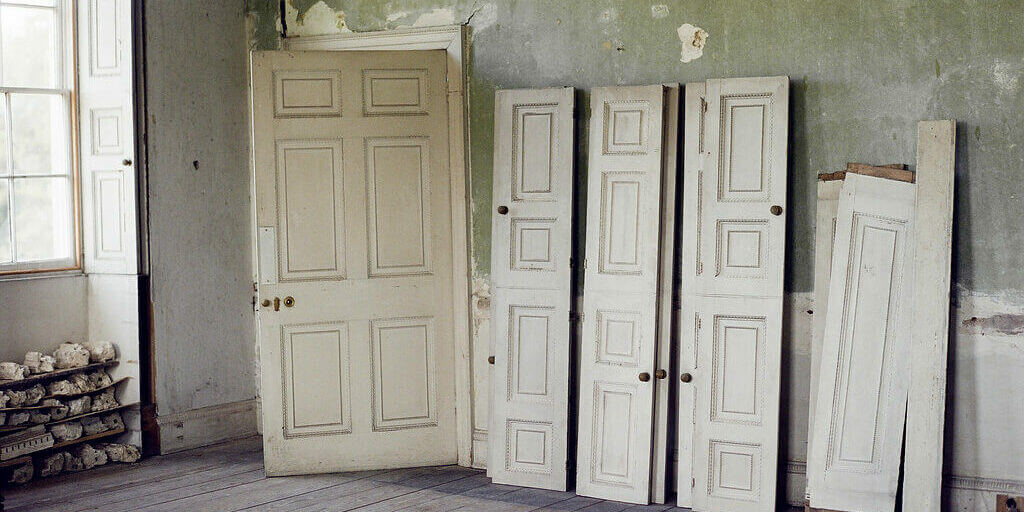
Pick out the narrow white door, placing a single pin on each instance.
(824, 241)
(862, 391)
(620, 301)
(353, 224)
(732, 285)
(531, 281)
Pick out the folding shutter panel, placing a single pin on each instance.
(862, 398)
(736, 292)
(107, 136)
(531, 280)
(661, 454)
(926, 405)
(620, 301)
(824, 240)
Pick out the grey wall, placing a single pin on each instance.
(198, 167)
(40, 313)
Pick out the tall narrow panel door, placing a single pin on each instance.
(531, 286)
(620, 302)
(734, 216)
(862, 391)
(355, 264)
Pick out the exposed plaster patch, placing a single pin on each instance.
(319, 19)
(1005, 77)
(395, 16)
(484, 17)
(659, 11)
(481, 303)
(1002, 324)
(435, 17)
(693, 39)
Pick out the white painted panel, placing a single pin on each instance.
(105, 91)
(731, 269)
(398, 195)
(862, 391)
(621, 300)
(395, 91)
(936, 158)
(311, 209)
(307, 93)
(316, 379)
(404, 378)
(531, 276)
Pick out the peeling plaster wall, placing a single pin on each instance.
(862, 75)
(196, 66)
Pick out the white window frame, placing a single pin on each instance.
(65, 86)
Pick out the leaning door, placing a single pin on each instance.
(354, 255)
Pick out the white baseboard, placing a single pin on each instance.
(480, 449)
(206, 426)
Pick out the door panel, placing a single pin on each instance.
(531, 278)
(621, 301)
(858, 423)
(733, 241)
(353, 215)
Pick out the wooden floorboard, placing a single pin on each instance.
(229, 477)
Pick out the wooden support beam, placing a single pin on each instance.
(896, 172)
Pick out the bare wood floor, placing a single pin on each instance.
(229, 477)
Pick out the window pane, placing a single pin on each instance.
(3, 134)
(5, 223)
(40, 134)
(42, 219)
(29, 46)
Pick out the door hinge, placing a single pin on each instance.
(584, 264)
(693, 482)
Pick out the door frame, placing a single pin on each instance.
(452, 39)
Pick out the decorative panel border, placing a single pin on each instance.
(327, 84)
(729, 103)
(376, 267)
(610, 181)
(105, 53)
(109, 214)
(515, 348)
(727, 235)
(721, 453)
(630, 319)
(517, 433)
(104, 142)
(626, 114)
(290, 430)
(519, 114)
(519, 227)
(598, 471)
(720, 357)
(428, 388)
(373, 106)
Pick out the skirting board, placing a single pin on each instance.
(206, 426)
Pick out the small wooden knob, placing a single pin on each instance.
(266, 303)
(686, 377)
(776, 209)
(490, 359)
(503, 209)
(644, 377)
(660, 374)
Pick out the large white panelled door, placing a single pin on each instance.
(732, 271)
(621, 301)
(862, 390)
(531, 283)
(354, 239)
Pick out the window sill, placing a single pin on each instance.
(42, 274)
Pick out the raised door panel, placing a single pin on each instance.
(621, 299)
(311, 210)
(531, 248)
(315, 379)
(404, 373)
(395, 92)
(858, 424)
(307, 94)
(399, 206)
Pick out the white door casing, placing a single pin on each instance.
(735, 189)
(531, 281)
(929, 320)
(824, 240)
(106, 110)
(862, 391)
(353, 213)
(620, 299)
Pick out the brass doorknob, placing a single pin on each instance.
(776, 209)
(266, 303)
(289, 301)
(490, 359)
(644, 377)
(660, 374)
(503, 210)
(686, 377)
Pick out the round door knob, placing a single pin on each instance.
(126, 162)
(660, 374)
(776, 209)
(686, 377)
(490, 359)
(266, 303)
(644, 377)
(503, 209)
(289, 302)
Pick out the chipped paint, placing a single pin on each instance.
(435, 17)
(481, 303)
(693, 39)
(659, 11)
(1005, 76)
(317, 20)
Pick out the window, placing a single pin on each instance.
(38, 228)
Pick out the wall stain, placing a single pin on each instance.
(1003, 323)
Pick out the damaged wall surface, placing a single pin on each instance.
(861, 79)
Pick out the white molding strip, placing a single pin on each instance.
(452, 39)
(207, 425)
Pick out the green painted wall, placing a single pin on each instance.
(863, 73)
